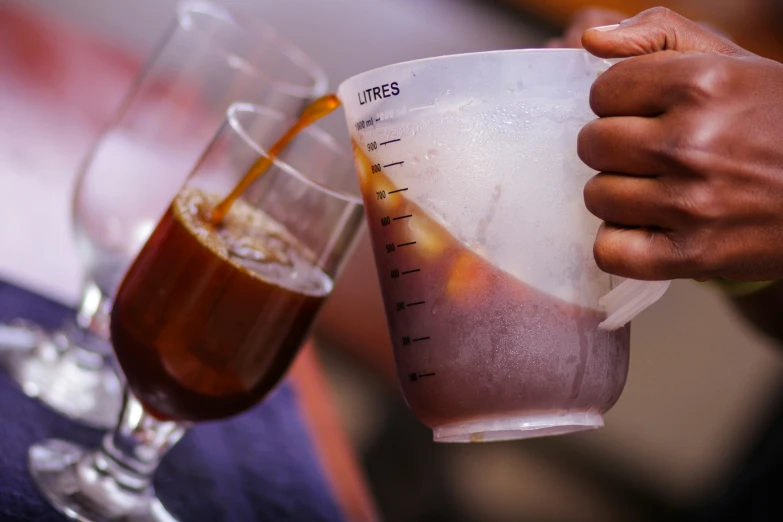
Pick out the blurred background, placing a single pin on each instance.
(703, 390)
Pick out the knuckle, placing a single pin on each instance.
(703, 204)
(698, 204)
(667, 19)
(693, 255)
(690, 147)
(706, 78)
(683, 259)
(658, 13)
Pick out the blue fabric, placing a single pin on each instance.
(259, 466)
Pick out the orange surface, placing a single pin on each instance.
(337, 455)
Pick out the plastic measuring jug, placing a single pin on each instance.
(483, 245)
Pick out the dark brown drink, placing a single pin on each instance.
(208, 319)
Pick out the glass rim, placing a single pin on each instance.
(268, 34)
(314, 131)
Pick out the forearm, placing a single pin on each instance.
(763, 309)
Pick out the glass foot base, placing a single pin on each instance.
(67, 476)
(19, 335)
(72, 381)
(517, 427)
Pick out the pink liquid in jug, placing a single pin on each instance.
(480, 355)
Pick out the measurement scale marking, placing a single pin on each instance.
(406, 244)
(393, 164)
(411, 271)
(398, 190)
(402, 217)
(420, 339)
(416, 303)
(390, 141)
(413, 377)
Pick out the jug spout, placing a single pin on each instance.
(629, 299)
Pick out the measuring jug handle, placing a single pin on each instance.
(629, 299)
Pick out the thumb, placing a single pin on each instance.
(657, 29)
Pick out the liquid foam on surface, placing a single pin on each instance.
(254, 242)
(504, 178)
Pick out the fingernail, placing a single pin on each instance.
(605, 28)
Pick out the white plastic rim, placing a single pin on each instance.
(461, 56)
(516, 428)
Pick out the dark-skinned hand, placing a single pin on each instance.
(689, 146)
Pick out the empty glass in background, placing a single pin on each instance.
(208, 319)
(207, 60)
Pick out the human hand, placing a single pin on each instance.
(689, 149)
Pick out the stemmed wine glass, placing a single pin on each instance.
(207, 60)
(209, 317)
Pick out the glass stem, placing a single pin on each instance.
(131, 452)
(88, 332)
